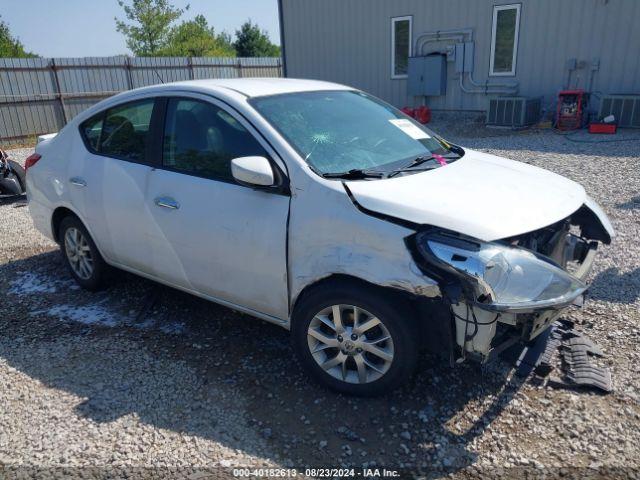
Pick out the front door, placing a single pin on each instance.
(210, 234)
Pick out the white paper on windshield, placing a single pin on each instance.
(409, 128)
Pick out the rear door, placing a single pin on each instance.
(113, 181)
(210, 234)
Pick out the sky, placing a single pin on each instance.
(85, 28)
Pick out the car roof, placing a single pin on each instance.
(253, 87)
(256, 87)
(229, 89)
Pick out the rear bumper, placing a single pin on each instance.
(41, 216)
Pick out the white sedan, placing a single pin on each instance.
(322, 209)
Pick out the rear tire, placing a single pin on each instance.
(81, 255)
(371, 349)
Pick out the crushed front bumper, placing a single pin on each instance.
(484, 330)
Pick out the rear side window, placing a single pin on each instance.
(125, 131)
(91, 130)
(202, 139)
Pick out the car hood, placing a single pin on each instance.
(480, 195)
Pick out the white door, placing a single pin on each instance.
(210, 234)
(113, 180)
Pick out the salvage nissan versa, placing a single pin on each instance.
(322, 209)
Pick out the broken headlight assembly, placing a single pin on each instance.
(499, 277)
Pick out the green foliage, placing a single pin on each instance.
(253, 42)
(9, 46)
(151, 33)
(195, 38)
(152, 19)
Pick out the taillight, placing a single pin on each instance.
(31, 161)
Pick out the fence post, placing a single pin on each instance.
(56, 80)
(239, 68)
(129, 75)
(190, 64)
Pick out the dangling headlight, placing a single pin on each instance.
(501, 277)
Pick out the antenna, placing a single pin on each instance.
(158, 75)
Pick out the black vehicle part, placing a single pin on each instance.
(538, 355)
(576, 353)
(437, 328)
(12, 176)
(590, 225)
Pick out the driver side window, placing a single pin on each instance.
(201, 139)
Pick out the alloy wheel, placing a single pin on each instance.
(79, 253)
(350, 344)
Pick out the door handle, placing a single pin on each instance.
(167, 202)
(78, 181)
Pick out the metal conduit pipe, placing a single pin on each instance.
(458, 35)
(455, 38)
(511, 85)
(486, 91)
(486, 84)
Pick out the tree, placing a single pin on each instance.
(253, 42)
(152, 25)
(195, 38)
(10, 46)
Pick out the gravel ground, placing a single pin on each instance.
(86, 381)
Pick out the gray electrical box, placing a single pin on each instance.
(427, 76)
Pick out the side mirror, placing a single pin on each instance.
(256, 171)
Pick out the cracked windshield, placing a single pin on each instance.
(346, 131)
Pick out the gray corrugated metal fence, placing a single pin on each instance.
(39, 95)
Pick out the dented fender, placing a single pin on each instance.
(328, 235)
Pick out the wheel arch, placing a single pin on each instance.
(340, 280)
(63, 211)
(433, 315)
(59, 214)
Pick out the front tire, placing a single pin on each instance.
(354, 340)
(81, 254)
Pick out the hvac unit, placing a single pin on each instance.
(513, 111)
(626, 109)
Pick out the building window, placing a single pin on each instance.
(400, 46)
(504, 40)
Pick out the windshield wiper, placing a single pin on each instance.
(419, 161)
(354, 174)
(416, 161)
(402, 170)
(413, 163)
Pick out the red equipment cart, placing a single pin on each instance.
(571, 107)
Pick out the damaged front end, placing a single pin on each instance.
(512, 289)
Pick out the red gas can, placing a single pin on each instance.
(423, 114)
(408, 111)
